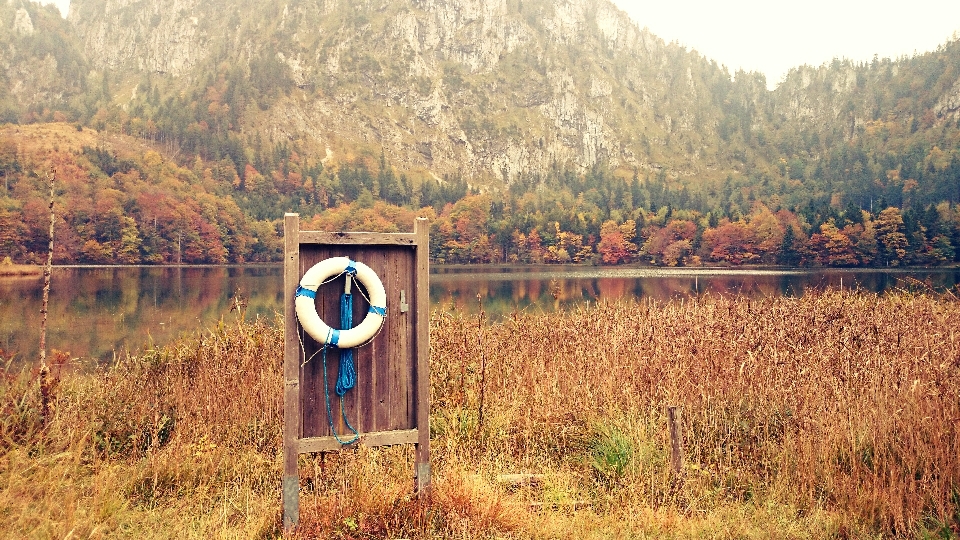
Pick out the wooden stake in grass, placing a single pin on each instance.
(483, 365)
(45, 383)
(676, 439)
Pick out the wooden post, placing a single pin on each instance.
(676, 439)
(421, 230)
(291, 374)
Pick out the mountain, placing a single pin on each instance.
(565, 113)
(486, 90)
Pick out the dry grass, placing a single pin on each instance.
(177, 442)
(839, 407)
(831, 415)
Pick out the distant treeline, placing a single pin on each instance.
(142, 208)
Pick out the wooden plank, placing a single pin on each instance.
(379, 438)
(410, 347)
(421, 229)
(291, 374)
(314, 416)
(409, 341)
(399, 361)
(368, 379)
(380, 350)
(357, 238)
(400, 337)
(354, 399)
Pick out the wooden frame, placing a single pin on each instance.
(391, 403)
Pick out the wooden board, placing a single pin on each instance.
(390, 403)
(384, 397)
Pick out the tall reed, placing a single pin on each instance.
(832, 414)
(840, 401)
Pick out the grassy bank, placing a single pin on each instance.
(830, 415)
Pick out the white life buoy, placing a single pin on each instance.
(307, 310)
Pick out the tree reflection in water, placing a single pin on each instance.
(96, 312)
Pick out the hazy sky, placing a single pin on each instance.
(771, 36)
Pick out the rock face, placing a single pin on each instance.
(491, 90)
(948, 106)
(824, 96)
(22, 24)
(483, 88)
(158, 36)
(40, 65)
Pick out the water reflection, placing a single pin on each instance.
(507, 289)
(98, 311)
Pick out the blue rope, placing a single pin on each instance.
(305, 292)
(347, 377)
(326, 395)
(347, 374)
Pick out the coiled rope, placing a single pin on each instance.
(347, 374)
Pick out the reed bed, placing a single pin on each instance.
(178, 442)
(834, 414)
(839, 404)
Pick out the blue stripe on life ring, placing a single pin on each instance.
(305, 292)
(351, 268)
(377, 310)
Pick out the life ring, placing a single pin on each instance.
(307, 310)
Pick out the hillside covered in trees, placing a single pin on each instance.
(563, 133)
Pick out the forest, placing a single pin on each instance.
(134, 206)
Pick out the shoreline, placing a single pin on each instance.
(20, 270)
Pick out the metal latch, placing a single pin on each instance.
(403, 301)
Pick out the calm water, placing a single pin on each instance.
(98, 311)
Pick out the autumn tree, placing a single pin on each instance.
(832, 247)
(568, 247)
(733, 242)
(892, 243)
(768, 233)
(11, 233)
(659, 240)
(614, 248)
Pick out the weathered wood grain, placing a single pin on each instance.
(422, 353)
(378, 438)
(357, 238)
(291, 374)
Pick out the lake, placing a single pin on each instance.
(96, 312)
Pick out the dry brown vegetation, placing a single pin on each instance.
(831, 415)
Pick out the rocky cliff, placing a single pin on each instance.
(40, 63)
(484, 88)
